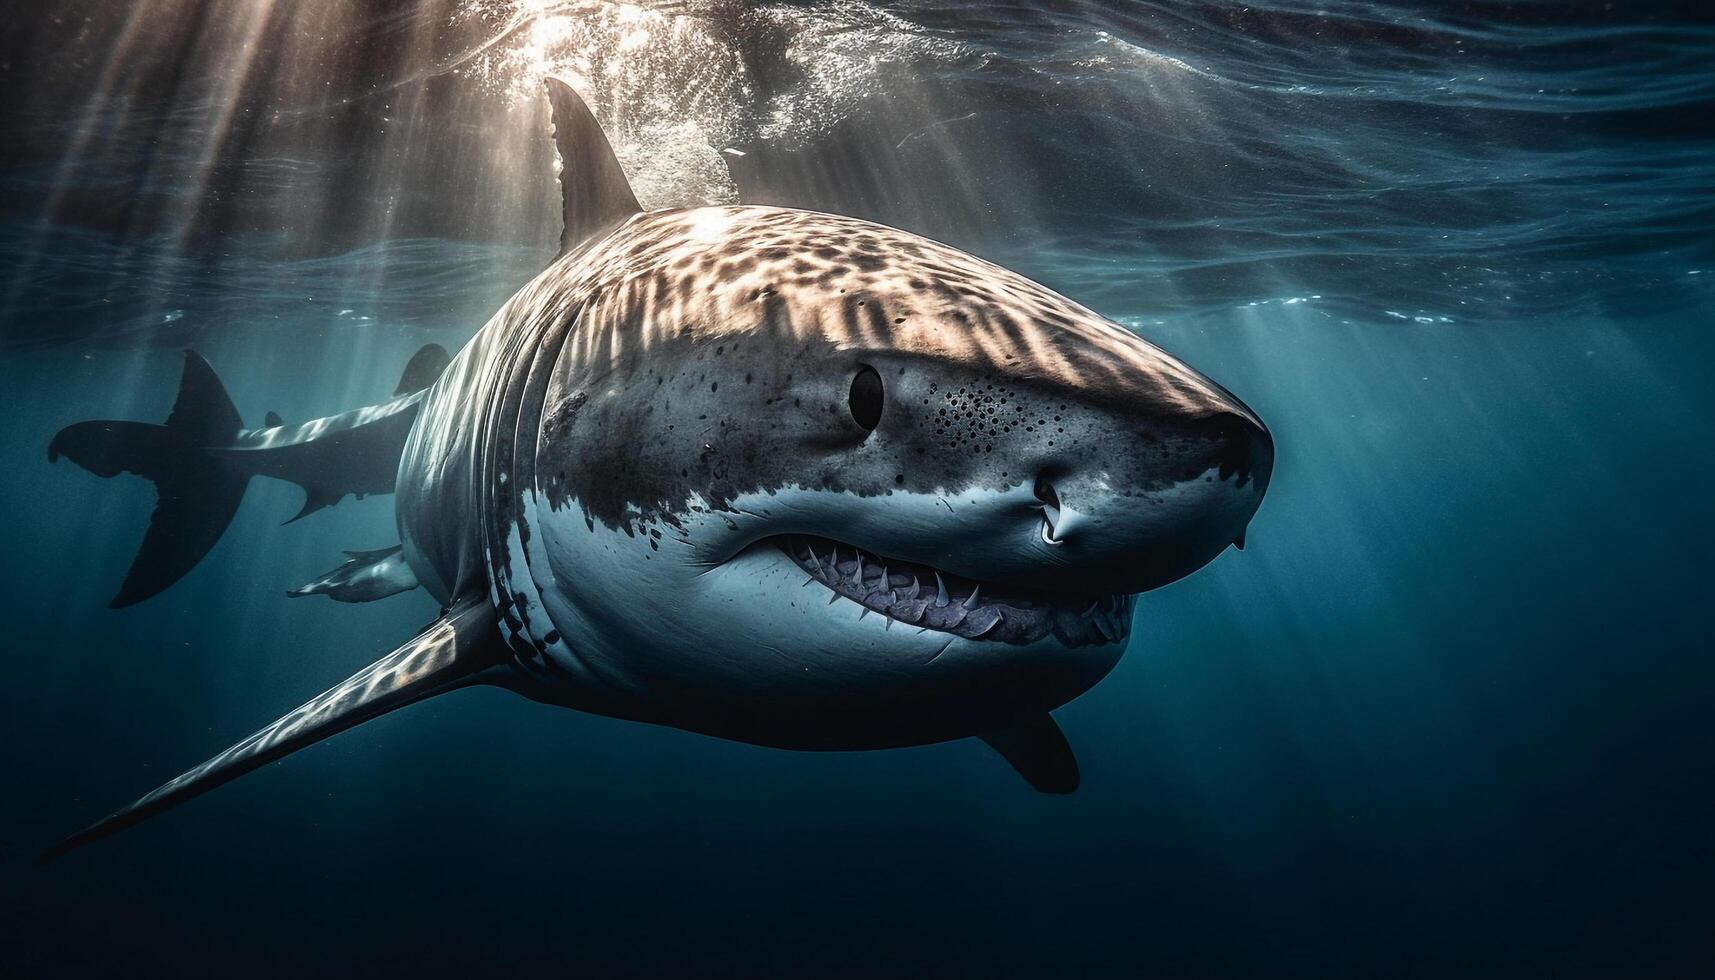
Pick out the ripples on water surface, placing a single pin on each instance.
(1450, 162)
(1447, 716)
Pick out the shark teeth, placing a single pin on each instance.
(958, 606)
(1108, 629)
(910, 611)
(982, 622)
(947, 617)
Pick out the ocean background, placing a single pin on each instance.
(1449, 714)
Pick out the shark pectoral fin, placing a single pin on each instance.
(1039, 751)
(365, 576)
(453, 652)
(272, 420)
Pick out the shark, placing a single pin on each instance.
(791, 478)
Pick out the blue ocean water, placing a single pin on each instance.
(1446, 715)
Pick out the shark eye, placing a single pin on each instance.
(865, 398)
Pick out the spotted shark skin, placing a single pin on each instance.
(605, 376)
(768, 474)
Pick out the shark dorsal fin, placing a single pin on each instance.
(424, 369)
(594, 193)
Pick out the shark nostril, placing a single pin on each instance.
(1051, 522)
(1045, 493)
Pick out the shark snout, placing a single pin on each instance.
(1079, 488)
(1149, 507)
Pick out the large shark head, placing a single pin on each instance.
(804, 479)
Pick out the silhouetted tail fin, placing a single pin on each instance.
(198, 492)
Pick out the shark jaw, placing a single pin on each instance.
(921, 596)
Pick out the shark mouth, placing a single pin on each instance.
(917, 595)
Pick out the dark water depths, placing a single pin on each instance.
(1446, 716)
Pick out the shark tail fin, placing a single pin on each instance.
(594, 194)
(197, 493)
(452, 652)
